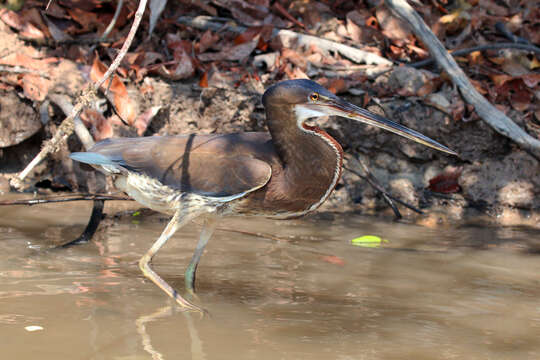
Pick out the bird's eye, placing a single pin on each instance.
(314, 96)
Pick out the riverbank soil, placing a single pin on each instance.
(182, 79)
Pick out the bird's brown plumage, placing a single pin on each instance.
(231, 164)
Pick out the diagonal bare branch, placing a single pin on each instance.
(489, 113)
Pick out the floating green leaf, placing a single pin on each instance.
(368, 241)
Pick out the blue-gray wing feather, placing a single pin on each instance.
(212, 165)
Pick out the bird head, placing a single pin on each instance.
(307, 99)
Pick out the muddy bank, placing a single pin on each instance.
(497, 179)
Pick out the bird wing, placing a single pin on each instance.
(210, 165)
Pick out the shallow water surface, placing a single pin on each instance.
(306, 292)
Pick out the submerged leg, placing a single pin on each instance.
(206, 233)
(176, 222)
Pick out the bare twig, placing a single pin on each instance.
(113, 21)
(374, 182)
(496, 119)
(64, 130)
(21, 70)
(497, 46)
(64, 103)
(54, 43)
(501, 28)
(288, 38)
(63, 198)
(285, 13)
(67, 126)
(125, 47)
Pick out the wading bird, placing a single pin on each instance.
(286, 173)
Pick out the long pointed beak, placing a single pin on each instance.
(350, 111)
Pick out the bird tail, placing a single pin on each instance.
(91, 158)
(97, 160)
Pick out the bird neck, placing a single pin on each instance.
(307, 152)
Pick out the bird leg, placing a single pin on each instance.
(177, 221)
(206, 233)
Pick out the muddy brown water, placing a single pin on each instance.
(464, 292)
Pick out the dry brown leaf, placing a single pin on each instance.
(294, 57)
(34, 17)
(146, 87)
(233, 53)
(479, 86)
(97, 71)
(446, 182)
(53, 9)
(87, 20)
(338, 86)
(149, 57)
(354, 31)
(126, 108)
(144, 119)
(295, 73)
(429, 87)
(56, 33)
(11, 18)
(25, 61)
(447, 19)
(457, 108)
(26, 29)
(534, 64)
(514, 67)
(475, 58)
(203, 82)
(208, 40)
(392, 27)
(247, 35)
(100, 127)
(520, 98)
(247, 13)
(280, 9)
(124, 105)
(181, 68)
(36, 87)
(497, 60)
(500, 80)
(418, 50)
(493, 8)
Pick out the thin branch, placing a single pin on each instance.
(65, 104)
(54, 43)
(496, 119)
(501, 28)
(125, 47)
(113, 21)
(63, 198)
(288, 38)
(374, 182)
(497, 46)
(21, 70)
